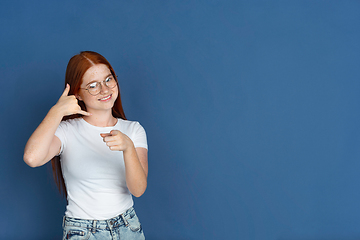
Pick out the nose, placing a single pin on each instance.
(104, 89)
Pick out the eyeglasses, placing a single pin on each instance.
(94, 88)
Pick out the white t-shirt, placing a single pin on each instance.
(94, 175)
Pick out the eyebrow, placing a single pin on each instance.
(110, 74)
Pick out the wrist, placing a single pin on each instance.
(130, 149)
(55, 112)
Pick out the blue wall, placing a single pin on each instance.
(251, 110)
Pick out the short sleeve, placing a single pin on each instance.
(60, 133)
(139, 136)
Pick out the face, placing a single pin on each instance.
(107, 96)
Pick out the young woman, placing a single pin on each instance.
(99, 158)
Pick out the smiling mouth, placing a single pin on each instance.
(105, 98)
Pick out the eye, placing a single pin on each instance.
(92, 85)
(108, 79)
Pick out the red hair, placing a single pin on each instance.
(75, 71)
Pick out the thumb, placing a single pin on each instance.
(66, 91)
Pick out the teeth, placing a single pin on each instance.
(105, 98)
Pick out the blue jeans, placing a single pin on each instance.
(124, 226)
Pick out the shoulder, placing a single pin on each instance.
(130, 126)
(128, 123)
(70, 123)
(135, 131)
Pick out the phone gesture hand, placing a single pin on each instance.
(68, 105)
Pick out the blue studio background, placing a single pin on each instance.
(251, 110)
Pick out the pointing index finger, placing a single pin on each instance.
(105, 134)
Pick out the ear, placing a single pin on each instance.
(78, 96)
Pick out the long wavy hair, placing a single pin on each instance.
(75, 71)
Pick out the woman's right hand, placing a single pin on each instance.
(43, 145)
(68, 105)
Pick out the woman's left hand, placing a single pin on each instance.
(136, 165)
(117, 141)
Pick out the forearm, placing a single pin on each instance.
(38, 145)
(136, 174)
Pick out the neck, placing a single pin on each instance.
(101, 119)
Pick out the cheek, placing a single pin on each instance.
(116, 93)
(88, 98)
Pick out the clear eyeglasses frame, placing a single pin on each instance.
(94, 88)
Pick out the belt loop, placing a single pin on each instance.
(125, 221)
(94, 227)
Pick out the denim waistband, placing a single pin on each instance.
(100, 224)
